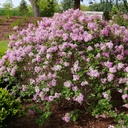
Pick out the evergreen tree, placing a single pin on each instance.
(67, 4)
(47, 7)
(23, 8)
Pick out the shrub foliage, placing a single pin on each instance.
(9, 108)
(73, 59)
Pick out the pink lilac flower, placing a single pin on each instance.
(79, 98)
(112, 69)
(66, 64)
(13, 71)
(110, 77)
(83, 83)
(24, 88)
(108, 64)
(103, 80)
(105, 95)
(98, 56)
(67, 84)
(57, 67)
(125, 96)
(126, 69)
(120, 66)
(76, 77)
(66, 118)
(37, 89)
(119, 57)
(105, 32)
(57, 95)
(103, 47)
(53, 82)
(110, 45)
(37, 69)
(76, 67)
(125, 105)
(51, 98)
(89, 48)
(92, 26)
(88, 37)
(93, 73)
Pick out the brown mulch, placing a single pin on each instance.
(6, 24)
(55, 120)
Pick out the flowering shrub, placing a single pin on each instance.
(70, 58)
(120, 18)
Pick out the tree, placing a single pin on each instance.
(35, 7)
(8, 5)
(66, 4)
(23, 8)
(77, 4)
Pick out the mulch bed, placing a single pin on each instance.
(6, 25)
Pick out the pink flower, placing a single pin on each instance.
(125, 105)
(103, 47)
(125, 96)
(13, 71)
(37, 69)
(112, 69)
(66, 118)
(76, 77)
(83, 83)
(119, 57)
(24, 88)
(66, 64)
(53, 82)
(67, 84)
(110, 45)
(51, 98)
(103, 80)
(57, 67)
(37, 89)
(105, 32)
(126, 69)
(93, 73)
(108, 64)
(120, 66)
(110, 77)
(89, 48)
(79, 98)
(105, 95)
(92, 26)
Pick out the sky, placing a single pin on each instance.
(17, 2)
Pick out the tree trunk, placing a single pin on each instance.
(76, 4)
(35, 8)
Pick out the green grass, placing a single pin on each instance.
(3, 47)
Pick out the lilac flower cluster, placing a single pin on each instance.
(69, 56)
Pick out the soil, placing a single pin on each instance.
(7, 24)
(55, 121)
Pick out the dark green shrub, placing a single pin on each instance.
(9, 108)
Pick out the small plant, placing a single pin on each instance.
(25, 18)
(16, 23)
(10, 108)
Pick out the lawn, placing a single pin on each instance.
(3, 47)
